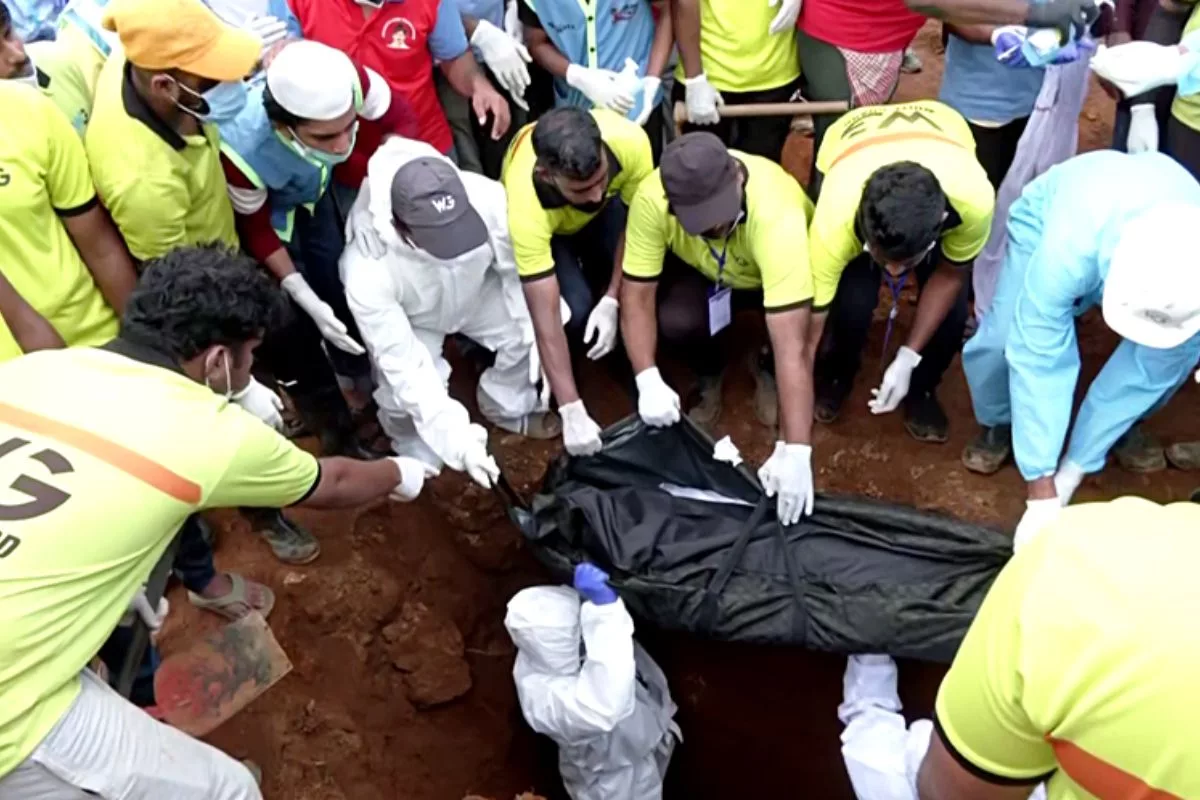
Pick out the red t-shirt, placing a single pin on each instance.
(393, 41)
(868, 26)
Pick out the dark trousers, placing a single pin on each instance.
(850, 321)
(760, 136)
(683, 316)
(995, 148)
(1183, 144)
(194, 558)
(583, 263)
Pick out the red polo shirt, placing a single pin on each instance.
(395, 42)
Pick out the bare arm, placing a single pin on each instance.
(664, 39)
(28, 327)
(975, 34)
(685, 17)
(793, 372)
(280, 264)
(542, 297)
(103, 251)
(937, 298)
(639, 325)
(464, 75)
(544, 53)
(969, 12)
(470, 23)
(942, 778)
(614, 283)
(347, 483)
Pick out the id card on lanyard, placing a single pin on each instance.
(720, 298)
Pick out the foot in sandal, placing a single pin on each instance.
(233, 597)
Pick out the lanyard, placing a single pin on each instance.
(896, 286)
(720, 259)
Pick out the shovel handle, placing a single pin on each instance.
(769, 109)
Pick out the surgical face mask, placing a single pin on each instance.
(28, 75)
(228, 393)
(320, 157)
(219, 104)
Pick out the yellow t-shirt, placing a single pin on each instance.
(95, 489)
(738, 53)
(1084, 656)
(44, 178)
(86, 55)
(531, 224)
(927, 132)
(1187, 109)
(66, 86)
(163, 190)
(767, 250)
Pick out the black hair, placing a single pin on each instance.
(5, 18)
(902, 210)
(279, 114)
(567, 142)
(195, 297)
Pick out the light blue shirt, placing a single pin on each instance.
(982, 89)
(487, 10)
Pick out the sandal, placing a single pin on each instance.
(235, 604)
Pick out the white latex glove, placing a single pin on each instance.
(629, 80)
(1067, 480)
(785, 20)
(267, 28)
(1143, 129)
(327, 322)
(1038, 514)
(262, 403)
(512, 21)
(895, 382)
(788, 473)
(702, 101)
(658, 404)
(473, 457)
(413, 473)
(581, 434)
(362, 235)
(602, 325)
(1137, 67)
(505, 57)
(602, 86)
(153, 617)
(650, 87)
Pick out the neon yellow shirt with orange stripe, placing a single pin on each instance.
(926, 132)
(1082, 661)
(102, 458)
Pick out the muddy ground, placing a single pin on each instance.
(404, 608)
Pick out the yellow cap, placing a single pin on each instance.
(183, 35)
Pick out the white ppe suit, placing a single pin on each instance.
(1023, 363)
(883, 755)
(611, 715)
(408, 301)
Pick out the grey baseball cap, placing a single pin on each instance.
(431, 201)
(700, 179)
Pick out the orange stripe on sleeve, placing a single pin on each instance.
(1102, 779)
(133, 464)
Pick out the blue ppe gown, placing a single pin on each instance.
(1023, 362)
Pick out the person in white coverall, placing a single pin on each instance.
(610, 713)
(443, 265)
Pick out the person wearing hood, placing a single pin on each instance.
(610, 711)
(1073, 244)
(444, 266)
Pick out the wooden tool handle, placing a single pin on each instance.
(769, 109)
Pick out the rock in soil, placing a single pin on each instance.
(428, 649)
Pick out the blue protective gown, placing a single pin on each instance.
(1023, 362)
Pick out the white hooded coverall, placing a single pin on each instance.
(407, 302)
(611, 715)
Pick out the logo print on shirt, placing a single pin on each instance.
(878, 119)
(44, 497)
(624, 13)
(5, 178)
(443, 204)
(400, 34)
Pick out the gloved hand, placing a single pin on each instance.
(1071, 17)
(154, 617)
(505, 57)
(785, 20)
(658, 404)
(1143, 129)
(1038, 514)
(271, 30)
(413, 473)
(650, 87)
(1067, 480)
(361, 233)
(328, 324)
(512, 21)
(592, 584)
(788, 473)
(603, 325)
(581, 434)
(702, 101)
(629, 80)
(1007, 41)
(602, 86)
(262, 403)
(473, 456)
(895, 382)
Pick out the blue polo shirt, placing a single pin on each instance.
(487, 10)
(595, 33)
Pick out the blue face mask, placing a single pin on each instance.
(320, 157)
(219, 104)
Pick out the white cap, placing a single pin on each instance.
(313, 81)
(1152, 292)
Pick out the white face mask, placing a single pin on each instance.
(31, 75)
(228, 393)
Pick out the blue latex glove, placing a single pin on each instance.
(1014, 48)
(592, 584)
(1007, 41)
